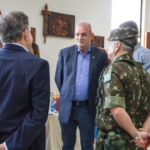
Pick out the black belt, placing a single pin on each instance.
(80, 103)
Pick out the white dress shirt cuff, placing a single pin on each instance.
(5, 146)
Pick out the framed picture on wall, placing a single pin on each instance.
(33, 32)
(61, 25)
(1, 45)
(98, 41)
(57, 24)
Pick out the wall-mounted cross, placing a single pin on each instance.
(45, 13)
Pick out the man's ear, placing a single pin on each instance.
(25, 34)
(117, 46)
(92, 35)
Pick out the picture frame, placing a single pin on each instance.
(1, 45)
(62, 25)
(33, 32)
(98, 41)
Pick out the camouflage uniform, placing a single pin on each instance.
(124, 83)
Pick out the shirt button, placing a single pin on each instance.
(81, 75)
(79, 84)
(82, 67)
(78, 93)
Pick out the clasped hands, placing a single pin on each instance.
(143, 138)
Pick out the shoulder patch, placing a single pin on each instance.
(107, 77)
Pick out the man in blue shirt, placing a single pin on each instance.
(141, 53)
(78, 69)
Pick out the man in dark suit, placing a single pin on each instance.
(77, 73)
(24, 87)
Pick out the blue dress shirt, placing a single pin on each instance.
(142, 54)
(82, 76)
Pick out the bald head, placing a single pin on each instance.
(85, 24)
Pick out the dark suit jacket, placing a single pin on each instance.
(24, 99)
(66, 74)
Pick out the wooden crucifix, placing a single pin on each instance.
(57, 24)
(0, 12)
(45, 13)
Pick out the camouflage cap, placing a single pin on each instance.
(126, 35)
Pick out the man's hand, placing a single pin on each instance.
(142, 140)
(2, 147)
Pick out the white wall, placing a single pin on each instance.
(146, 15)
(145, 19)
(97, 12)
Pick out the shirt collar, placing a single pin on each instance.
(19, 45)
(89, 49)
(128, 58)
(137, 46)
(125, 57)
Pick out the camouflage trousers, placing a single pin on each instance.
(128, 146)
(113, 141)
(111, 145)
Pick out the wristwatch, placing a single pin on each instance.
(137, 136)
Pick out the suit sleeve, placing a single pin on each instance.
(35, 119)
(59, 72)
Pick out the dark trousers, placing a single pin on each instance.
(80, 116)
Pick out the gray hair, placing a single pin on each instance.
(12, 24)
(85, 24)
(125, 48)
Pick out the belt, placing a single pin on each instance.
(80, 103)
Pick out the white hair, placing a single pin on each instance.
(125, 48)
(83, 23)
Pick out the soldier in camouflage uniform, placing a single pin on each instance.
(123, 96)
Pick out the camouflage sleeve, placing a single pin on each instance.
(114, 91)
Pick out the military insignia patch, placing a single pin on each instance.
(107, 77)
